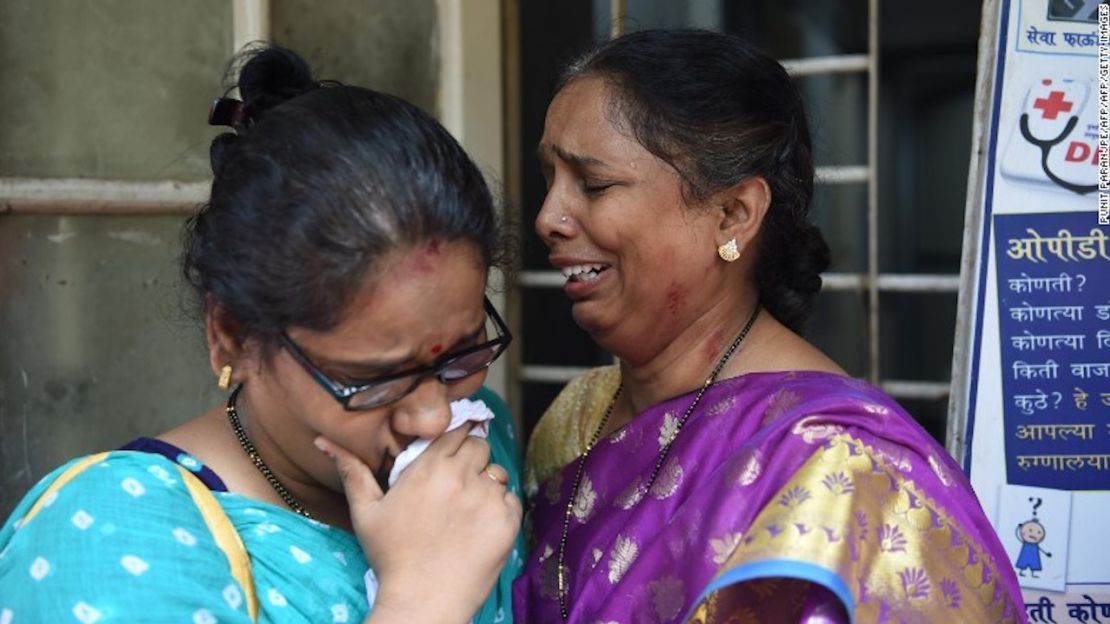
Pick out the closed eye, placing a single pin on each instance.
(593, 188)
(364, 377)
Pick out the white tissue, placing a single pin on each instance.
(463, 411)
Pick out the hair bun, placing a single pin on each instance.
(218, 150)
(811, 257)
(271, 76)
(789, 282)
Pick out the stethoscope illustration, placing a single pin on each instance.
(1046, 147)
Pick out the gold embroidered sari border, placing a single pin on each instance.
(851, 510)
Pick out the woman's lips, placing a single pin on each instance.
(583, 272)
(382, 474)
(582, 284)
(582, 275)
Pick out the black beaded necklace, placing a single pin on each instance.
(562, 571)
(256, 459)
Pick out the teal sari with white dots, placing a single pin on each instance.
(124, 541)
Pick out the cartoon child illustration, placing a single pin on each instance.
(1031, 533)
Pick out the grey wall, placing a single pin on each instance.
(96, 346)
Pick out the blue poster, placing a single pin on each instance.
(1054, 322)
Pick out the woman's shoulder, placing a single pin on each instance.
(580, 401)
(800, 402)
(559, 435)
(816, 405)
(110, 490)
(590, 386)
(121, 519)
(819, 389)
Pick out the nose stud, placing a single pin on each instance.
(563, 219)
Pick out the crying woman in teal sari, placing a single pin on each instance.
(341, 266)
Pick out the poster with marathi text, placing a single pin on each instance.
(1054, 323)
(1036, 435)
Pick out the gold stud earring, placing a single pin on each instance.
(225, 377)
(730, 251)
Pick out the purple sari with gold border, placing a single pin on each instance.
(786, 497)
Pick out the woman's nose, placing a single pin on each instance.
(425, 412)
(554, 221)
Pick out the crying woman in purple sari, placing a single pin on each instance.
(724, 469)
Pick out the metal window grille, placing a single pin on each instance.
(251, 22)
(869, 283)
(461, 112)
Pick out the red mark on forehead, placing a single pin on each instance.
(437, 349)
(423, 259)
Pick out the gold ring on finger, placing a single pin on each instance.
(497, 477)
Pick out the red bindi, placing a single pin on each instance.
(436, 349)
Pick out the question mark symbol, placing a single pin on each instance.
(1036, 505)
(1082, 280)
(1059, 397)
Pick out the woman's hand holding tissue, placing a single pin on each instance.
(438, 539)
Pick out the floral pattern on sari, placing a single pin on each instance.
(840, 483)
(906, 553)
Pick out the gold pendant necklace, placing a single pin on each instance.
(256, 459)
(562, 571)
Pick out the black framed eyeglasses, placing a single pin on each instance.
(449, 368)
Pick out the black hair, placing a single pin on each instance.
(320, 182)
(719, 111)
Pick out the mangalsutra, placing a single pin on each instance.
(561, 571)
(256, 459)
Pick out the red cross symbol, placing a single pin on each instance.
(1053, 105)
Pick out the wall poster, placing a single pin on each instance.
(1033, 385)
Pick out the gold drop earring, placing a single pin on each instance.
(730, 251)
